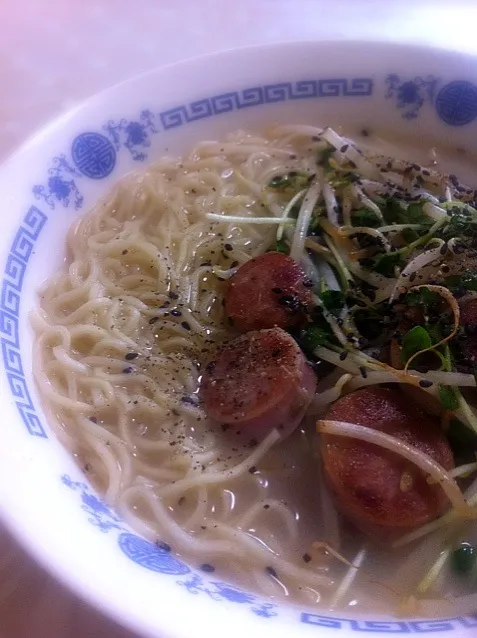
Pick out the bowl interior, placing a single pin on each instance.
(428, 98)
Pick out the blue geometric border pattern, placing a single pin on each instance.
(267, 94)
(390, 627)
(12, 283)
(93, 154)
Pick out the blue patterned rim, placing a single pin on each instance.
(93, 156)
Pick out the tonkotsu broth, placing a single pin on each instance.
(122, 336)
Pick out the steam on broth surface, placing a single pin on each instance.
(217, 306)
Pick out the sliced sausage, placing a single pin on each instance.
(382, 493)
(267, 291)
(259, 381)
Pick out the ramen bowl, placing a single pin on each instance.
(422, 95)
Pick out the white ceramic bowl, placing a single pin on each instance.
(44, 497)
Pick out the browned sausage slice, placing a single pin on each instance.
(260, 380)
(267, 291)
(382, 493)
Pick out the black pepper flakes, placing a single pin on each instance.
(306, 557)
(173, 295)
(206, 567)
(125, 252)
(153, 320)
(131, 355)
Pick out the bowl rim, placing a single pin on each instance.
(44, 556)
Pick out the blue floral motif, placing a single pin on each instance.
(410, 95)
(219, 591)
(133, 134)
(100, 515)
(60, 186)
(151, 556)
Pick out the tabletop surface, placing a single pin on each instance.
(56, 53)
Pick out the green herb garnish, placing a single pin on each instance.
(333, 301)
(365, 217)
(281, 246)
(423, 298)
(384, 263)
(414, 341)
(314, 335)
(466, 281)
(448, 397)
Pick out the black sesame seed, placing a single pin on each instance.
(131, 355)
(164, 546)
(306, 558)
(307, 283)
(153, 320)
(253, 469)
(363, 371)
(234, 264)
(271, 571)
(344, 148)
(176, 313)
(93, 419)
(343, 355)
(185, 325)
(210, 367)
(266, 506)
(173, 295)
(228, 247)
(424, 383)
(128, 370)
(207, 568)
(125, 252)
